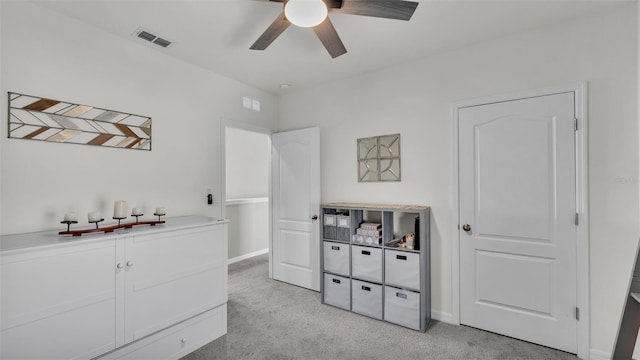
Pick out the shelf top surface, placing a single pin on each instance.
(377, 206)
(51, 238)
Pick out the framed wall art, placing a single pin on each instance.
(43, 119)
(379, 158)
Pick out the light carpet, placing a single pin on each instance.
(268, 319)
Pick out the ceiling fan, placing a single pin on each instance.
(313, 13)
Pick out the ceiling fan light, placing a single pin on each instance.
(306, 13)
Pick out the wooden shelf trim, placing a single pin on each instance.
(377, 206)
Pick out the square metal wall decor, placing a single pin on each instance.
(36, 118)
(379, 158)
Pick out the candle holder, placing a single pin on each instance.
(96, 222)
(119, 218)
(111, 228)
(68, 222)
(159, 215)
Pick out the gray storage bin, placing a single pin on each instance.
(366, 299)
(343, 227)
(367, 263)
(402, 269)
(330, 229)
(402, 307)
(337, 291)
(336, 257)
(343, 221)
(343, 234)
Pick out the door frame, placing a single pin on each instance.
(226, 123)
(582, 200)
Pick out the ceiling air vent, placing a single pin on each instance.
(162, 42)
(147, 35)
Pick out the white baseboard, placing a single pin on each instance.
(599, 355)
(442, 316)
(247, 256)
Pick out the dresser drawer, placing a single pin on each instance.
(336, 257)
(178, 340)
(337, 291)
(366, 263)
(367, 299)
(402, 269)
(402, 307)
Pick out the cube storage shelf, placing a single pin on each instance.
(362, 274)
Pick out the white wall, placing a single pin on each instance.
(247, 186)
(50, 55)
(247, 163)
(415, 100)
(248, 227)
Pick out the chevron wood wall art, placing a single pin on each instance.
(37, 118)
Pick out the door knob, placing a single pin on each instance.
(466, 227)
(314, 217)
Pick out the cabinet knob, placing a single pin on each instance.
(129, 263)
(120, 265)
(183, 341)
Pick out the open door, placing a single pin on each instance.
(295, 173)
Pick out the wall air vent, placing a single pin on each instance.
(151, 37)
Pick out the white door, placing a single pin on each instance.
(517, 219)
(296, 201)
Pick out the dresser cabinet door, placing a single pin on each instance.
(58, 303)
(173, 275)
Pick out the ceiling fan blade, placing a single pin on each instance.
(331, 4)
(330, 39)
(388, 9)
(274, 30)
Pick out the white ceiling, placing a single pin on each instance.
(216, 34)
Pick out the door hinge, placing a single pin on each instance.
(577, 313)
(577, 219)
(575, 124)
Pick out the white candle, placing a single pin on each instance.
(136, 211)
(70, 217)
(120, 209)
(94, 216)
(160, 210)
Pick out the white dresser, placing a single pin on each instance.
(150, 292)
